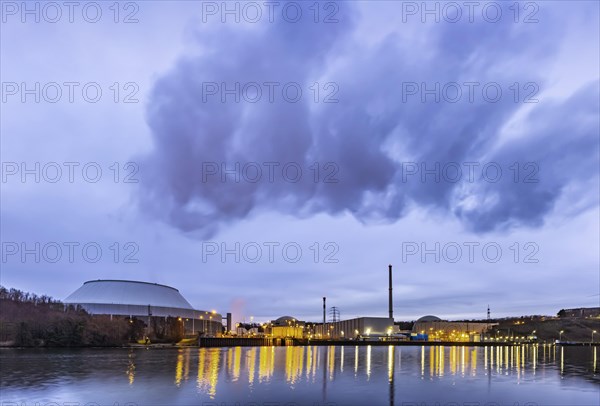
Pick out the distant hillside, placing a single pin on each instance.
(547, 328)
(29, 320)
(578, 329)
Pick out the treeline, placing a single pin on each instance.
(29, 320)
(19, 296)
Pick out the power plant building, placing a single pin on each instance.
(360, 327)
(142, 300)
(287, 326)
(441, 330)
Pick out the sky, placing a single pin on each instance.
(260, 156)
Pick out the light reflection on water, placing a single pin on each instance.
(311, 375)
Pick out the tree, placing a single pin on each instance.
(23, 336)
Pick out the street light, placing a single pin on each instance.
(560, 335)
(532, 335)
(593, 332)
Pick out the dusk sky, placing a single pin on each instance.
(465, 152)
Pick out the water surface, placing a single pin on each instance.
(364, 375)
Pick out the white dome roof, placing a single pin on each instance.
(128, 293)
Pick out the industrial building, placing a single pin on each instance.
(360, 327)
(357, 328)
(287, 326)
(581, 312)
(437, 329)
(429, 328)
(143, 300)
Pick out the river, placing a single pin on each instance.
(312, 375)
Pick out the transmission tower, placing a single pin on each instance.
(334, 314)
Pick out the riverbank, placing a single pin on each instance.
(265, 342)
(276, 342)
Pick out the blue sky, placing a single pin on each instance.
(363, 142)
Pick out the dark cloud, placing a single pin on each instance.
(371, 131)
(561, 148)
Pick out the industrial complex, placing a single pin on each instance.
(148, 302)
(435, 329)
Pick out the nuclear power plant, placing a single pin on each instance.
(150, 301)
(144, 301)
(427, 328)
(367, 328)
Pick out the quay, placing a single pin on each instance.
(278, 342)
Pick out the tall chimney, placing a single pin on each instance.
(229, 323)
(324, 299)
(391, 306)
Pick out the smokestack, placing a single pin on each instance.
(324, 300)
(391, 306)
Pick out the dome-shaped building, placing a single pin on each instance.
(428, 318)
(137, 299)
(443, 330)
(284, 321)
(286, 326)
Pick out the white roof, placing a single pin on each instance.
(128, 293)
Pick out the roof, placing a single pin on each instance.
(283, 320)
(110, 291)
(429, 318)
